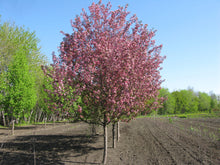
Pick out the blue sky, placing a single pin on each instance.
(188, 29)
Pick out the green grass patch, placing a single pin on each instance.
(3, 126)
(170, 120)
(203, 115)
(22, 124)
(187, 115)
(182, 116)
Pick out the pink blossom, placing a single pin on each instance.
(79, 109)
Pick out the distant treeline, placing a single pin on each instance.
(188, 101)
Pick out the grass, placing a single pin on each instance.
(182, 116)
(29, 124)
(39, 123)
(204, 115)
(3, 126)
(170, 120)
(195, 115)
(187, 115)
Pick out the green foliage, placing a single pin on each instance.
(186, 101)
(21, 89)
(214, 103)
(2, 88)
(168, 104)
(42, 100)
(20, 71)
(204, 102)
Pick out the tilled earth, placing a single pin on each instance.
(143, 141)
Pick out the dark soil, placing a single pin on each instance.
(143, 141)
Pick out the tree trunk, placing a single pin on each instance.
(54, 119)
(39, 116)
(113, 136)
(35, 118)
(93, 129)
(25, 119)
(8, 121)
(3, 117)
(17, 120)
(118, 130)
(29, 118)
(13, 127)
(105, 141)
(45, 122)
(51, 117)
(0, 116)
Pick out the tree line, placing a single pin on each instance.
(188, 101)
(22, 80)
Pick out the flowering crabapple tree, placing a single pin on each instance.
(112, 63)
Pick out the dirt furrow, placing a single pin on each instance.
(180, 154)
(213, 122)
(199, 125)
(143, 141)
(193, 144)
(157, 143)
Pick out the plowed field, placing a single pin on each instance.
(143, 141)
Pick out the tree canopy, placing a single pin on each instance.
(111, 61)
(20, 70)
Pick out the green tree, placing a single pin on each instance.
(186, 101)
(3, 87)
(204, 101)
(214, 102)
(168, 103)
(13, 38)
(21, 90)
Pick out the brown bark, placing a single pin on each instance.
(93, 129)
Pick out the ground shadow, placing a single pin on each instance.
(3, 128)
(48, 149)
(24, 127)
(75, 163)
